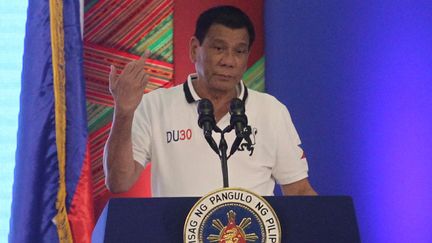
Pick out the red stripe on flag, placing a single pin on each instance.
(81, 211)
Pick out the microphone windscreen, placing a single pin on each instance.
(237, 107)
(205, 112)
(205, 107)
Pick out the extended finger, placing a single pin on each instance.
(143, 58)
(130, 66)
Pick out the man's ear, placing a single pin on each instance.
(193, 46)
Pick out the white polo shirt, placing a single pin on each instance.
(165, 131)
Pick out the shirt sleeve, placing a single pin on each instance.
(291, 164)
(141, 133)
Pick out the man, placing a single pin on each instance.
(161, 126)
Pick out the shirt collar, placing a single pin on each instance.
(191, 95)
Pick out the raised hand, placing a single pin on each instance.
(127, 88)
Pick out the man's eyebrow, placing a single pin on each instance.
(218, 40)
(243, 44)
(222, 41)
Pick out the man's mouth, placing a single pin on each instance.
(224, 76)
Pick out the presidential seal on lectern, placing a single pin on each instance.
(232, 215)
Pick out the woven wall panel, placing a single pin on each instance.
(117, 32)
(97, 61)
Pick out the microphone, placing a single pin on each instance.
(238, 118)
(207, 122)
(239, 122)
(206, 119)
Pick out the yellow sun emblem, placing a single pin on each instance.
(232, 233)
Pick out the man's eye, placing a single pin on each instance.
(241, 51)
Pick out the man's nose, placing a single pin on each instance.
(228, 59)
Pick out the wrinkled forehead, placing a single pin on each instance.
(218, 33)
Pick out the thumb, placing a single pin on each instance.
(113, 74)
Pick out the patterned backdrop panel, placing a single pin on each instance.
(115, 33)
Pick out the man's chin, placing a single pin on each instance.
(223, 85)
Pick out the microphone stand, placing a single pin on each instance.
(206, 109)
(223, 148)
